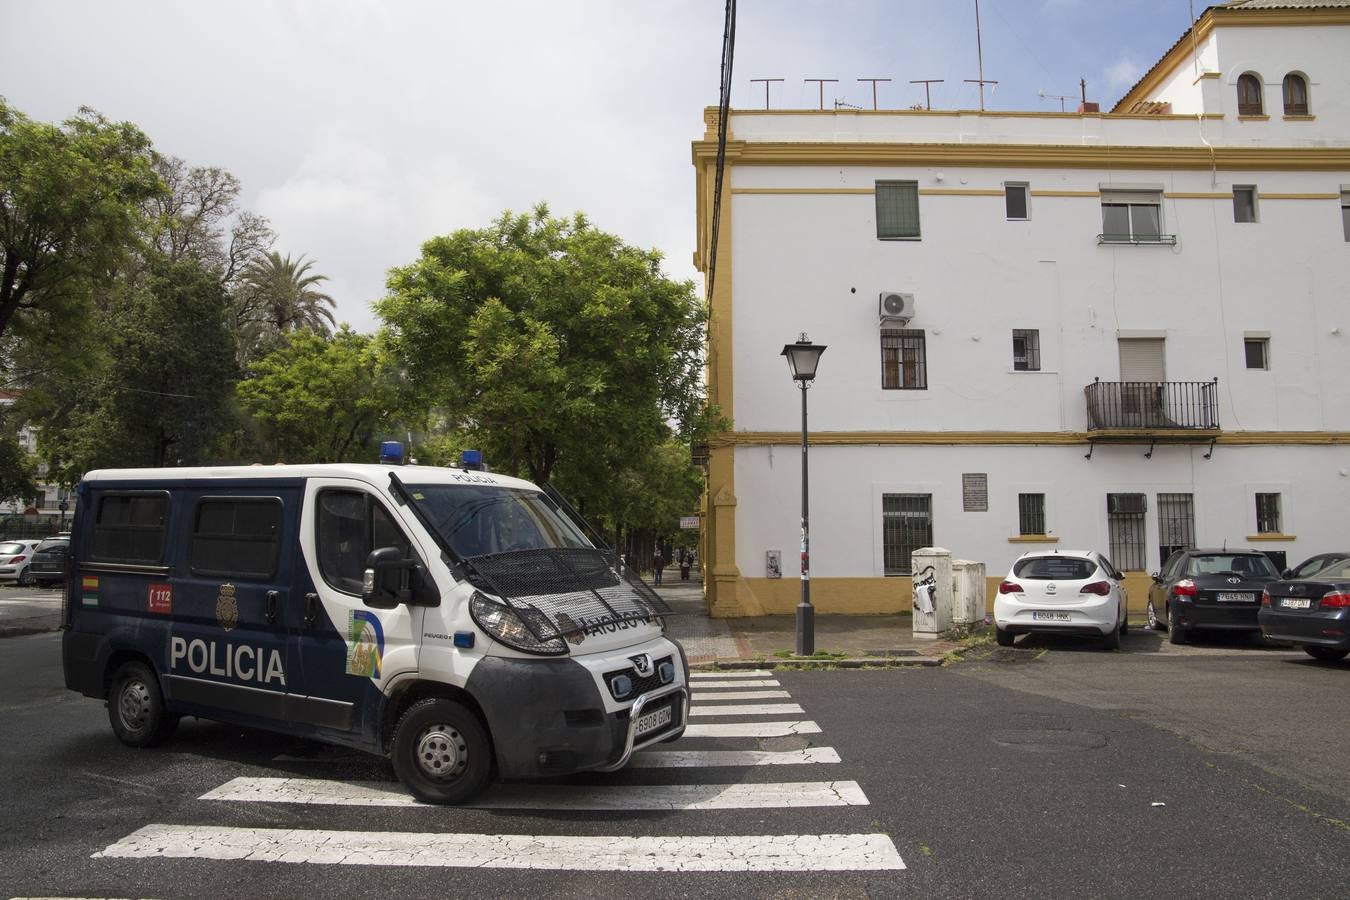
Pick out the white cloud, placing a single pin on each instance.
(1122, 73)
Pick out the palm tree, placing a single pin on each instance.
(284, 296)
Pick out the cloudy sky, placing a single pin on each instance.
(361, 128)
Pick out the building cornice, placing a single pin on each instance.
(1041, 156)
(1005, 438)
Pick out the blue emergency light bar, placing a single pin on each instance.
(391, 453)
(472, 459)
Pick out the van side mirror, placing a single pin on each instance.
(391, 578)
(1157, 576)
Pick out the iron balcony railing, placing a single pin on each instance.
(1178, 405)
(1169, 239)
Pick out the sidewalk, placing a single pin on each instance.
(860, 640)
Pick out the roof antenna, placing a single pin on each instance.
(979, 51)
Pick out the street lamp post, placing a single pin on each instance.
(803, 357)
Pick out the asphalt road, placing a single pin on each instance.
(1045, 770)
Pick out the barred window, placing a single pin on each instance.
(1257, 351)
(236, 537)
(1031, 514)
(1026, 349)
(1267, 513)
(1015, 199)
(1176, 523)
(1125, 528)
(906, 525)
(897, 210)
(904, 362)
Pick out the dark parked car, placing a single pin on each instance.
(49, 561)
(1316, 564)
(1218, 589)
(1312, 612)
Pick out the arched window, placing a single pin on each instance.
(1295, 95)
(1249, 94)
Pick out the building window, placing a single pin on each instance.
(904, 364)
(1258, 352)
(897, 210)
(1268, 514)
(1176, 523)
(1026, 350)
(1125, 529)
(1249, 94)
(1295, 95)
(1132, 217)
(129, 528)
(1016, 198)
(1031, 514)
(1244, 203)
(906, 525)
(236, 537)
(1345, 214)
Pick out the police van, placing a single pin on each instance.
(456, 620)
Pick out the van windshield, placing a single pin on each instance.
(477, 520)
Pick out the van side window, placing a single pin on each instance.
(350, 525)
(129, 528)
(236, 537)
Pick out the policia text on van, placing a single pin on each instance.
(456, 620)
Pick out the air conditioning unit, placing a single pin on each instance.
(1127, 503)
(893, 307)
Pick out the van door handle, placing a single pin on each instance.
(311, 608)
(273, 602)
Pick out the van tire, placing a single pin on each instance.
(136, 707)
(441, 751)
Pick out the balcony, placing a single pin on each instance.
(1169, 239)
(1152, 410)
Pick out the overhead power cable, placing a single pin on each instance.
(723, 111)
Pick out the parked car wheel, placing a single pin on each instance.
(1175, 633)
(1153, 621)
(26, 578)
(1112, 640)
(136, 707)
(1004, 638)
(1326, 654)
(441, 752)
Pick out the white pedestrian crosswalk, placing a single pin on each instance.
(722, 747)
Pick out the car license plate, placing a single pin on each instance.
(649, 722)
(1040, 616)
(1290, 603)
(1236, 598)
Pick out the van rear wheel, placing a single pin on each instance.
(136, 707)
(441, 752)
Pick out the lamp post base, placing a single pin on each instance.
(806, 629)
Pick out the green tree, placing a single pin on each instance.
(161, 394)
(318, 399)
(17, 471)
(70, 209)
(552, 345)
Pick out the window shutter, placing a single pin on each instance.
(1141, 359)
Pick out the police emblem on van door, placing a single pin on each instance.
(365, 644)
(227, 608)
(643, 663)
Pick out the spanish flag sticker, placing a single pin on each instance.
(89, 590)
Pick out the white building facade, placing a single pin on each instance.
(1126, 331)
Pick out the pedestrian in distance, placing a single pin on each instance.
(658, 564)
(685, 562)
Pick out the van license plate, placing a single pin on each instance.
(1236, 598)
(654, 720)
(1039, 616)
(1295, 604)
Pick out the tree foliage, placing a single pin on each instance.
(161, 393)
(554, 345)
(321, 399)
(70, 209)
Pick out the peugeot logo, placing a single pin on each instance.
(1235, 581)
(643, 663)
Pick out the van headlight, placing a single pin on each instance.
(508, 626)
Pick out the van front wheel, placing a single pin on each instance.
(441, 752)
(136, 707)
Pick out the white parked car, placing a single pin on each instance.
(1062, 592)
(14, 559)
